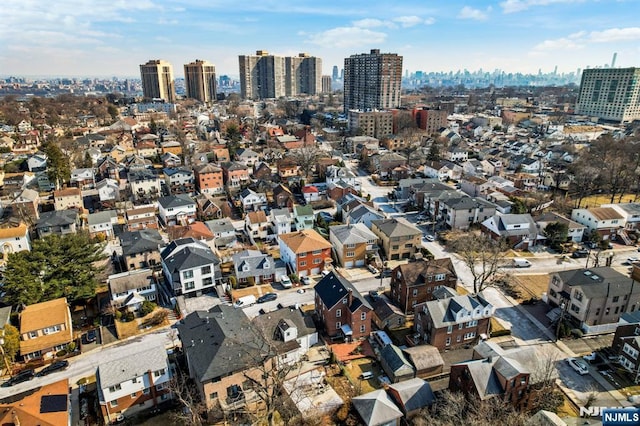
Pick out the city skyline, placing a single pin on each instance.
(103, 38)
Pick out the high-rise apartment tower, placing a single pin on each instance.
(200, 81)
(372, 81)
(269, 76)
(610, 94)
(157, 80)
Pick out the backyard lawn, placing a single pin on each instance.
(138, 325)
(531, 285)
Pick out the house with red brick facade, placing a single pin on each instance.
(209, 179)
(341, 308)
(413, 283)
(508, 374)
(134, 383)
(306, 252)
(452, 320)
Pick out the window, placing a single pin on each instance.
(205, 270)
(338, 325)
(472, 323)
(350, 246)
(440, 277)
(207, 282)
(523, 380)
(469, 335)
(363, 316)
(161, 386)
(351, 253)
(449, 329)
(316, 252)
(303, 263)
(578, 296)
(448, 341)
(189, 286)
(134, 380)
(213, 395)
(159, 373)
(575, 308)
(615, 299)
(338, 313)
(458, 339)
(317, 261)
(146, 391)
(344, 301)
(133, 395)
(363, 328)
(33, 334)
(115, 388)
(460, 326)
(114, 403)
(187, 274)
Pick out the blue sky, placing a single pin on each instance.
(112, 37)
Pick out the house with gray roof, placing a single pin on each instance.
(395, 364)
(364, 214)
(575, 229)
(190, 267)
(518, 230)
(399, 238)
(177, 210)
(130, 289)
(141, 249)
(452, 320)
(224, 233)
(462, 211)
(352, 244)
(221, 347)
(255, 267)
(496, 372)
(626, 343)
(426, 360)
(377, 409)
(134, 383)
(595, 298)
(102, 223)
(411, 396)
(108, 189)
(59, 222)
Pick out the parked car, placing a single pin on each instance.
(267, 297)
(22, 376)
(372, 269)
(578, 365)
(591, 357)
(285, 281)
(305, 280)
(580, 253)
(92, 335)
(429, 238)
(52, 368)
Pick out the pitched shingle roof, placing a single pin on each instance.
(304, 241)
(333, 287)
(396, 227)
(133, 365)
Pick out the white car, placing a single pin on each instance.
(372, 269)
(632, 259)
(430, 238)
(285, 281)
(579, 365)
(305, 280)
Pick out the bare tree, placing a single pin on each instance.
(456, 408)
(545, 394)
(186, 393)
(305, 157)
(482, 255)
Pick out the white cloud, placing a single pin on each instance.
(580, 39)
(411, 21)
(513, 6)
(615, 34)
(469, 12)
(373, 23)
(342, 37)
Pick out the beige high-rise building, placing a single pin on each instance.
(372, 81)
(157, 80)
(268, 76)
(200, 81)
(610, 94)
(326, 84)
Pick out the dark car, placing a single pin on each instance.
(579, 254)
(268, 297)
(22, 376)
(92, 336)
(56, 366)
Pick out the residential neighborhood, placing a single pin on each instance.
(305, 257)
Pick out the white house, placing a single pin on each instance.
(177, 210)
(37, 162)
(281, 220)
(130, 289)
(455, 153)
(14, 239)
(108, 189)
(257, 224)
(247, 157)
(133, 383)
(144, 183)
(311, 193)
(102, 223)
(335, 174)
(605, 220)
(190, 267)
(629, 211)
(83, 178)
(303, 217)
(179, 180)
(252, 200)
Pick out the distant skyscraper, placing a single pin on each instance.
(335, 73)
(326, 84)
(372, 81)
(200, 81)
(610, 94)
(268, 76)
(157, 80)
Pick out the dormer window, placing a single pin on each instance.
(245, 267)
(266, 265)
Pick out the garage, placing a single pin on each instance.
(348, 264)
(360, 262)
(315, 271)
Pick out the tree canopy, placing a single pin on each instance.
(57, 266)
(483, 256)
(556, 233)
(11, 344)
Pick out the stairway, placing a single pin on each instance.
(622, 234)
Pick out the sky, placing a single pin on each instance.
(105, 38)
